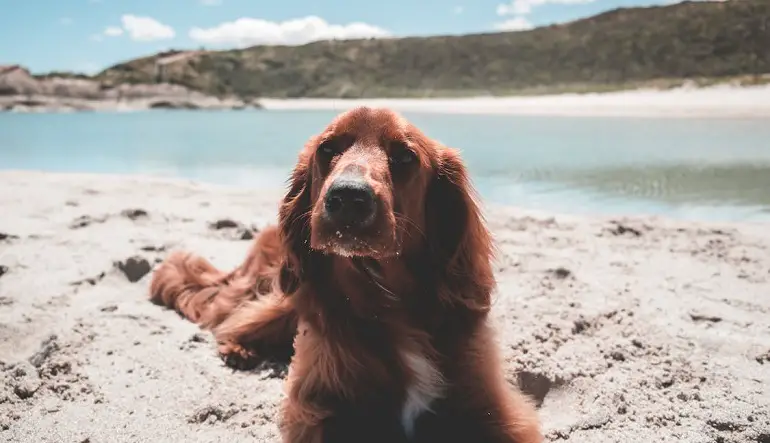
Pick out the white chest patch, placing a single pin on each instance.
(426, 385)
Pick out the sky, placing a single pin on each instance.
(90, 35)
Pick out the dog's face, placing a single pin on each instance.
(370, 170)
(372, 186)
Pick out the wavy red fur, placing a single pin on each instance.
(385, 313)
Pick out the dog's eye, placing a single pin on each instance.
(329, 147)
(335, 144)
(402, 155)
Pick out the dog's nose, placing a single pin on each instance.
(351, 202)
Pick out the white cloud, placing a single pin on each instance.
(514, 24)
(252, 31)
(211, 2)
(522, 7)
(66, 21)
(113, 31)
(457, 10)
(146, 29)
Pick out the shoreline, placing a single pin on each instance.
(720, 101)
(620, 328)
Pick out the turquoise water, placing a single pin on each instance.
(687, 168)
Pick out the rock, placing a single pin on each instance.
(25, 380)
(224, 223)
(3, 270)
(27, 388)
(20, 91)
(561, 272)
(134, 268)
(173, 104)
(134, 214)
(210, 414)
(580, 325)
(618, 356)
(621, 229)
(198, 338)
(5, 236)
(85, 220)
(47, 348)
(696, 317)
(242, 232)
(18, 80)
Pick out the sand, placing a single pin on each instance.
(722, 101)
(625, 329)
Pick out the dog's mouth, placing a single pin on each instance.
(352, 243)
(352, 221)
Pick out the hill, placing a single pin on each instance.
(693, 40)
(20, 91)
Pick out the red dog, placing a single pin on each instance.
(378, 281)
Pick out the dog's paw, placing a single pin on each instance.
(237, 357)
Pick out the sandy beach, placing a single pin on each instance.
(716, 101)
(623, 329)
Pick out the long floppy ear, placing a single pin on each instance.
(458, 239)
(294, 221)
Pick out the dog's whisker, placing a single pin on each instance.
(408, 222)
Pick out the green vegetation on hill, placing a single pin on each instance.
(616, 49)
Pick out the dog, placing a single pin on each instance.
(376, 283)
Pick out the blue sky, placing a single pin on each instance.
(89, 35)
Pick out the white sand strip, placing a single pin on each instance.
(717, 101)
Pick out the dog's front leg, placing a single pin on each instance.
(259, 329)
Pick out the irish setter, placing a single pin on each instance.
(377, 284)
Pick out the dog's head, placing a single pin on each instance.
(372, 186)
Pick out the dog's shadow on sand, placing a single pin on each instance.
(271, 369)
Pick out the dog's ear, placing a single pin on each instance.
(294, 221)
(459, 242)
